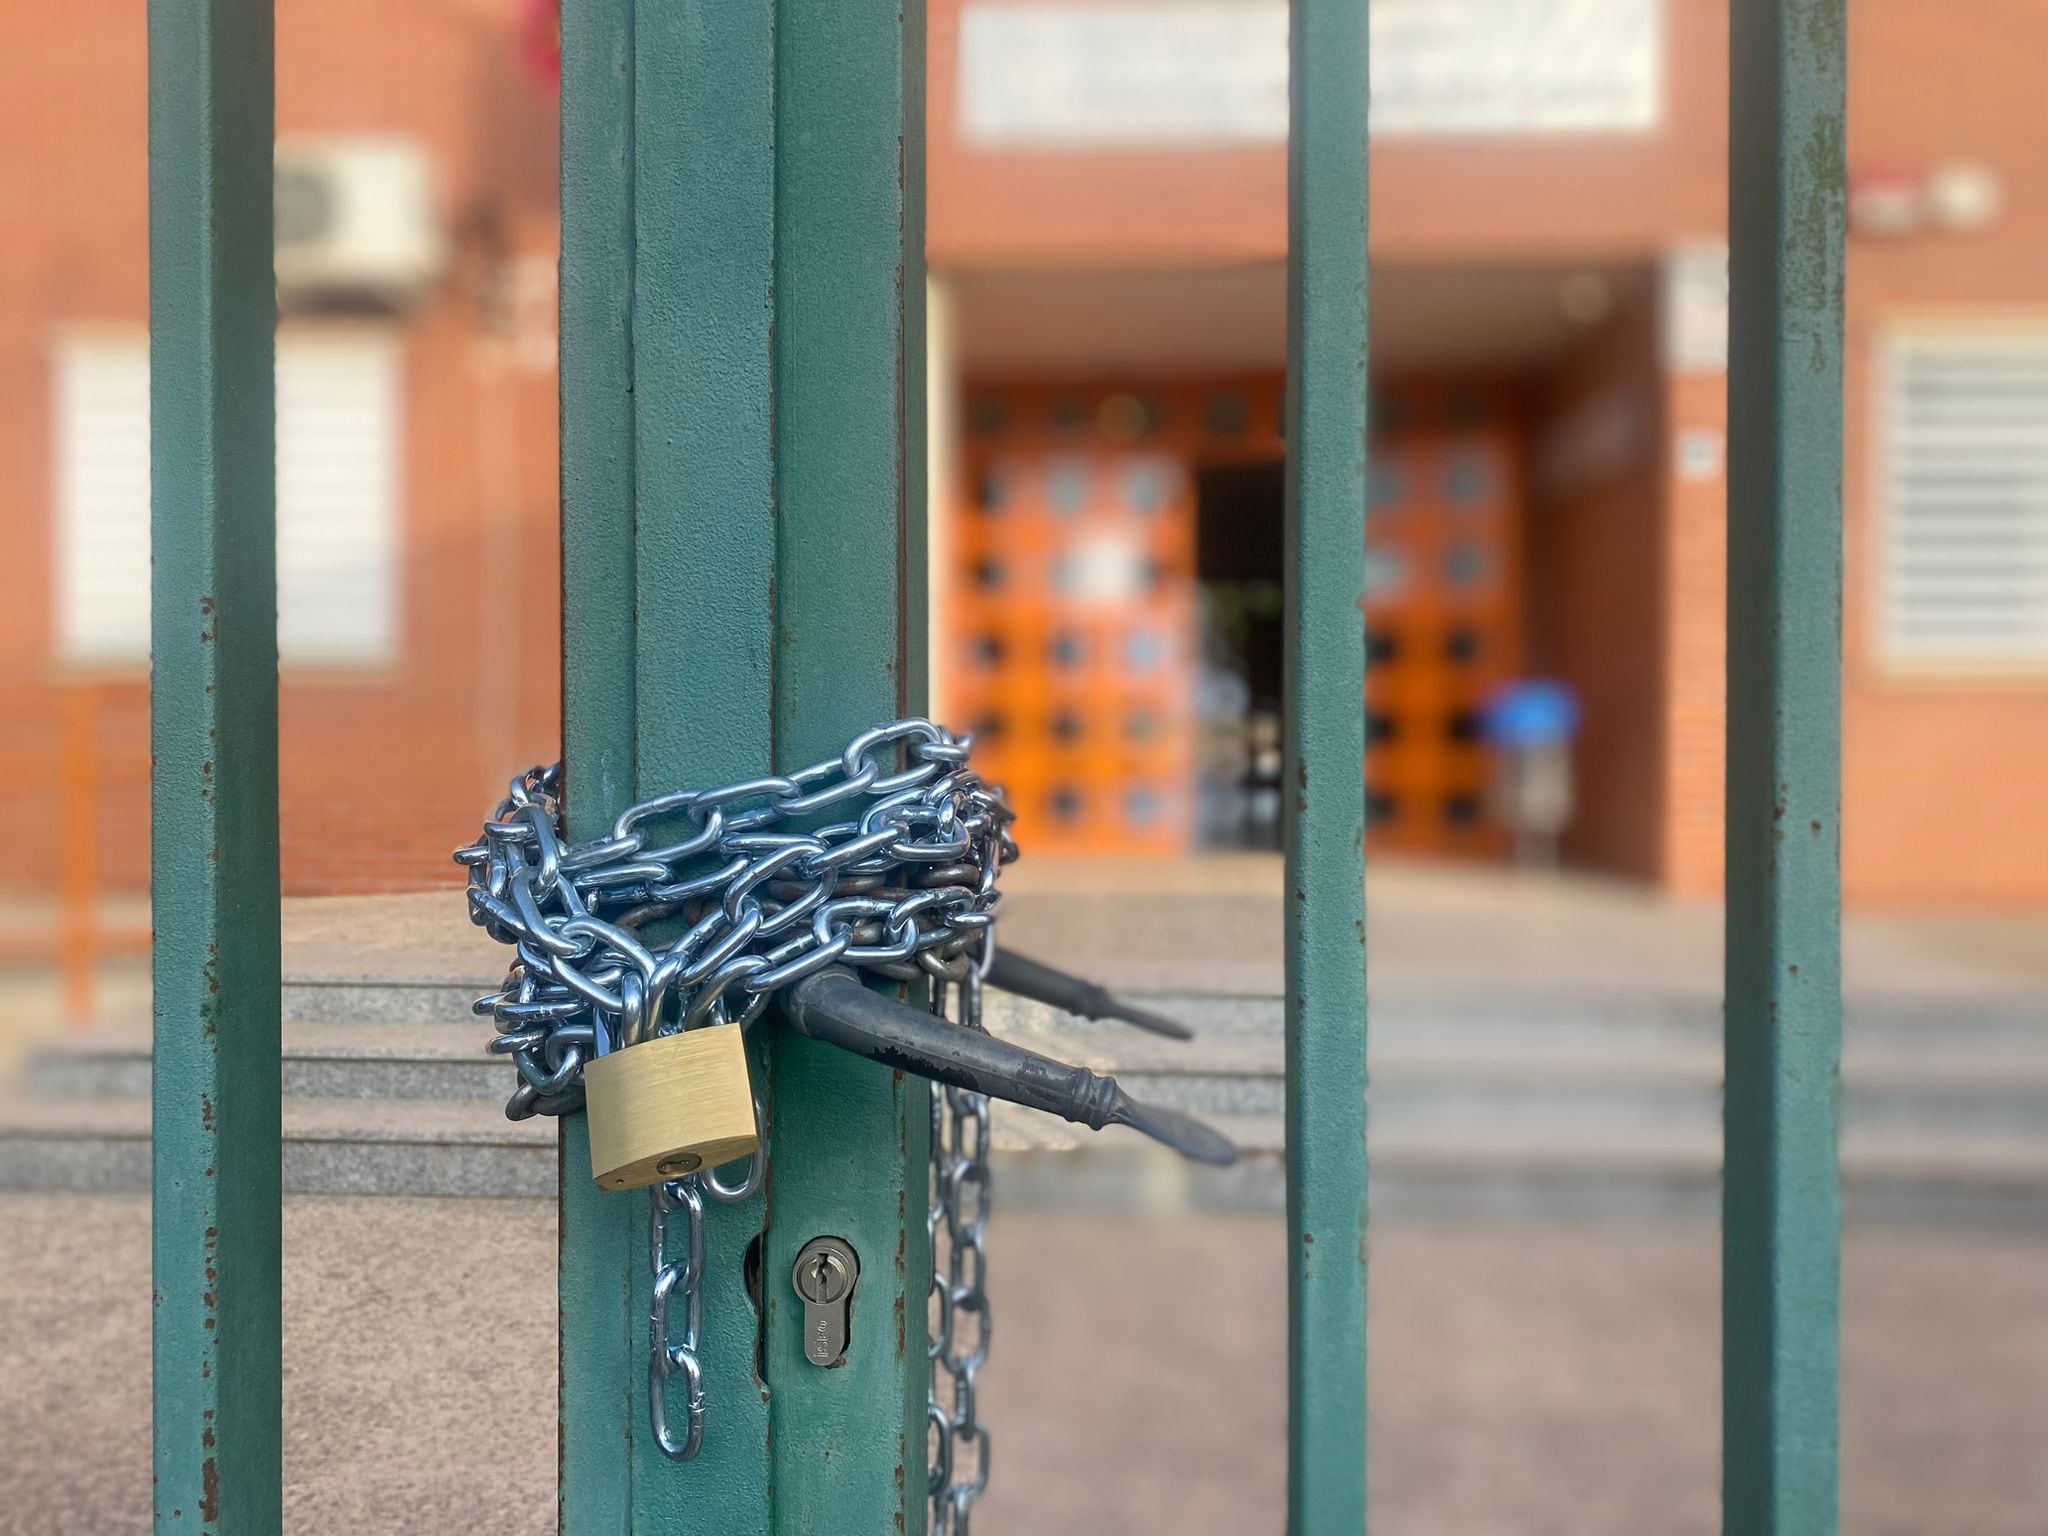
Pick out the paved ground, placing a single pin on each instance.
(1527, 1381)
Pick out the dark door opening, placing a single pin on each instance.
(1238, 512)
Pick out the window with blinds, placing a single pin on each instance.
(1963, 483)
(338, 444)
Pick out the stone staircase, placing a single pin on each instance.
(1540, 1105)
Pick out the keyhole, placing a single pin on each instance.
(823, 1272)
(824, 1276)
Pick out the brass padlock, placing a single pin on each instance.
(674, 1105)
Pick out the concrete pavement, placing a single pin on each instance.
(1527, 1380)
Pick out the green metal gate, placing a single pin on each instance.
(743, 517)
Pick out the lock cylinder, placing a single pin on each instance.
(669, 1107)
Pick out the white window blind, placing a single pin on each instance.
(338, 445)
(100, 408)
(1963, 482)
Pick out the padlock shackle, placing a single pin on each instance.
(835, 1007)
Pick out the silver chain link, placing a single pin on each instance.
(677, 1284)
(907, 889)
(960, 1320)
(672, 1351)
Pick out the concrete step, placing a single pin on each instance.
(331, 1146)
(1507, 1104)
(1529, 1080)
(1534, 1090)
(1482, 1075)
(1477, 1019)
(1669, 1171)
(1617, 1072)
(350, 1146)
(353, 1061)
(344, 1000)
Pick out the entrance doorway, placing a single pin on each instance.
(1443, 631)
(1238, 514)
(1114, 626)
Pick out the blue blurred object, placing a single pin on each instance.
(1535, 713)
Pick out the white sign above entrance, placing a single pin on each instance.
(1184, 74)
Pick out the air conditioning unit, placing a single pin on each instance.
(355, 221)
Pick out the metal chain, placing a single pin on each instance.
(672, 1352)
(960, 1320)
(905, 888)
(676, 1283)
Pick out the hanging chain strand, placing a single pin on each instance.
(679, 1284)
(903, 885)
(960, 1318)
(678, 1287)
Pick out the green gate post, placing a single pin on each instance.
(1781, 1222)
(852, 1147)
(742, 415)
(216, 1337)
(1324, 774)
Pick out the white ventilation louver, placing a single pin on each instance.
(1963, 483)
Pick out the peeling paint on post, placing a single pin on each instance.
(1325, 668)
(216, 1336)
(1781, 1220)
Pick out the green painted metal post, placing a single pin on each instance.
(742, 408)
(1325, 769)
(213, 734)
(601, 1411)
(704, 579)
(852, 1139)
(1781, 1223)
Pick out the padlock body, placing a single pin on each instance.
(674, 1105)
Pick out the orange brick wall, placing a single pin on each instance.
(382, 772)
(1596, 587)
(1945, 785)
(1695, 651)
(1943, 774)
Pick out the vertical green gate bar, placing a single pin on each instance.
(852, 1139)
(601, 1408)
(703, 311)
(1325, 769)
(742, 409)
(1781, 1220)
(213, 735)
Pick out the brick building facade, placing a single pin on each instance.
(386, 759)
(1569, 266)
(1546, 213)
